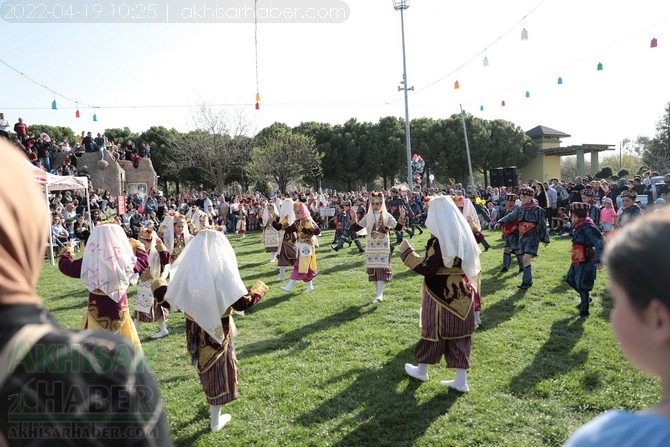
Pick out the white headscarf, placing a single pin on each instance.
(108, 261)
(446, 222)
(154, 258)
(269, 215)
(470, 213)
(208, 282)
(168, 232)
(287, 210)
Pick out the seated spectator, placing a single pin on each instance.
(81, 228)
(561, 221)
(58, 231)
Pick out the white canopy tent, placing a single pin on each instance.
(52, 182)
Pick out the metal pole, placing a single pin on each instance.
(467, 149)
(402, 5)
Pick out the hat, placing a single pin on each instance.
(458, 200)
(179, 218)
(145, 234)
(629, 193)
(575, 206)
(527, 191)
(511, 197)
(660, 200)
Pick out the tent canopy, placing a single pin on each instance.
(57, 182)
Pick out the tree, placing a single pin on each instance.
(120, 136)
(387, 153)
(159, 140)
(56, 133)
(656, 154)
(284, 156)
(207, 155)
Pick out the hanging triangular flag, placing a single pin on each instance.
(560, 80)
(53, 105)
(456, 85)
(600, 66)
(481, 108)
(486, 61)
(503, 103)
(258, 106)
(527, 94)
(77, 114)
(654, 43)
(95, 117)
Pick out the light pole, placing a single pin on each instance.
(402, 5)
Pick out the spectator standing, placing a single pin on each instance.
(4, 126)
(21, 130)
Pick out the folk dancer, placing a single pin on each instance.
(306, 230)
(510, 232)
(587, 251)
(378, 223)
(532, 231)
(450, 268)
(148, 309)
(207, 286)
(348, 235)
(589, 196)
(108, 263)
(175, 234)
(287, 251)
(270, 236)
(467, 208)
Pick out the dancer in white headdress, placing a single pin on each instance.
(108, 263)
(378, 223)
(271, 240)
(175, 233)
(450, 268)
(147, 309)
(207, 286)
(287, 253)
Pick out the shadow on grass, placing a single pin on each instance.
(386, 411)
(554, 358)
(501, 311)
(199, 418)
(299, 339)
(83, 306)
(606, 305)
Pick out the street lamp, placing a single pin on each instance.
(402, 5)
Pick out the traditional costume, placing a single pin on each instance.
(378, 224)
(207, 286)
(147, 308)
(450, 268)
(306, 230)
(532, 231)
(587, 250)
(510, 231)
(287, 253)
(175, 233)
(347, 234)
(271, 240)
(471, 216)
(108, 263)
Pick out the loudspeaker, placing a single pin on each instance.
(497, 177)
(510, 176)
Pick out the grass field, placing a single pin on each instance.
(326, 368)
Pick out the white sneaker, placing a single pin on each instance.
(223, 420)
(309, 289)
(463, 388)
(413, 371)
(160, 334)
(379, 299)
(286, 288)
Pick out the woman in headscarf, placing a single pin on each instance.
(147, 308)
(108, 264)
(175, 233)
(305, 230)
(27, 332)
(271, 239)
(378, 224)
(450, 268)
(207, 286)
(287, 253)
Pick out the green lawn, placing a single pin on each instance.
(326, 368)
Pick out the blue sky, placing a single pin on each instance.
(330, 72)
